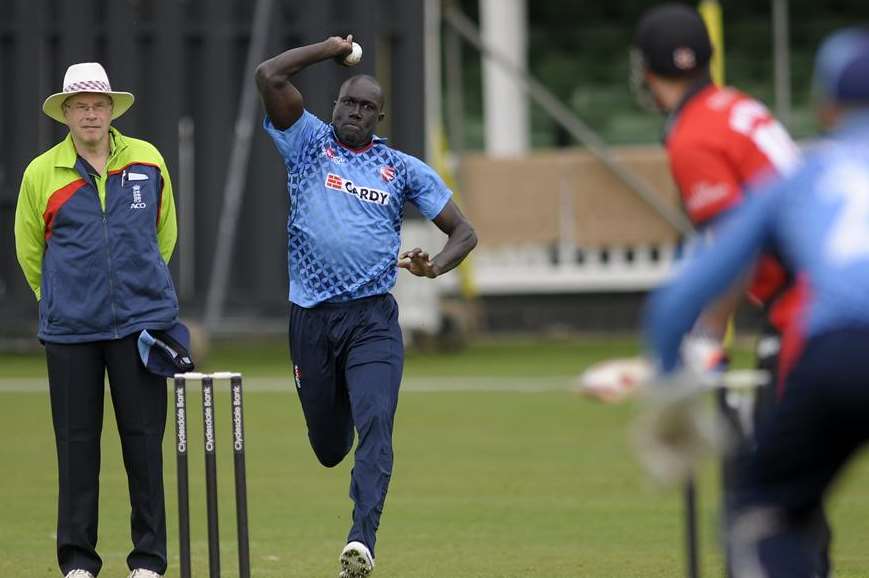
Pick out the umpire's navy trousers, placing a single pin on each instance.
(76, 379)
(347, 363)
(803, 443)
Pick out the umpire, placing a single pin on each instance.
(347, 194)
(94, 227)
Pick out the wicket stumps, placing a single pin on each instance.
(209, 437)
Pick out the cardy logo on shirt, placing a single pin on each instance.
(366, 194)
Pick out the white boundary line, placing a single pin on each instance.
(409, 384)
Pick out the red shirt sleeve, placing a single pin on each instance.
(708, 184)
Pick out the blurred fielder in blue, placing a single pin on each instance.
(817, 220)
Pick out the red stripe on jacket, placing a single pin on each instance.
(57, 199)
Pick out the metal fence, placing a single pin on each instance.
(184, 61)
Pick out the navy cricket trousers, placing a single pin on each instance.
(803, 443)
(347, 363)
(816, 528)
(76, 378)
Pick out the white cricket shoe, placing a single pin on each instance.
(356, 561)
(79, 574)
(142, 573)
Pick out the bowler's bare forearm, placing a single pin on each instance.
(458, 245)
(283, 101)
(461, 239)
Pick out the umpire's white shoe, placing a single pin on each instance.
(142, 573)
(356, 561)
(78, 574)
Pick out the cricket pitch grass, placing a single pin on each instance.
(500, 472)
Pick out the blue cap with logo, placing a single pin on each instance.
(842, 67)
(165, 352)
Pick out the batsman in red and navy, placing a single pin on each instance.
(721, 142)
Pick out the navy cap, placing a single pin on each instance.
(165, 352)
(673, 41)
(842, 67)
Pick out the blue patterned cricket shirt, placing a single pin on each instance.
(346, 207)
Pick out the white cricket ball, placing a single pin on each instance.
(355, 55)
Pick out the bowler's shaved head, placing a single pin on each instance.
(373, 87)
(357, 110)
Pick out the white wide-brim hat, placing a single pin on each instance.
(86, 77)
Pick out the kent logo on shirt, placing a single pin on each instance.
(366, 194)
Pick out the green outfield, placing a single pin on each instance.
(500, 471)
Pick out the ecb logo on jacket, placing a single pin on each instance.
(137, 198)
